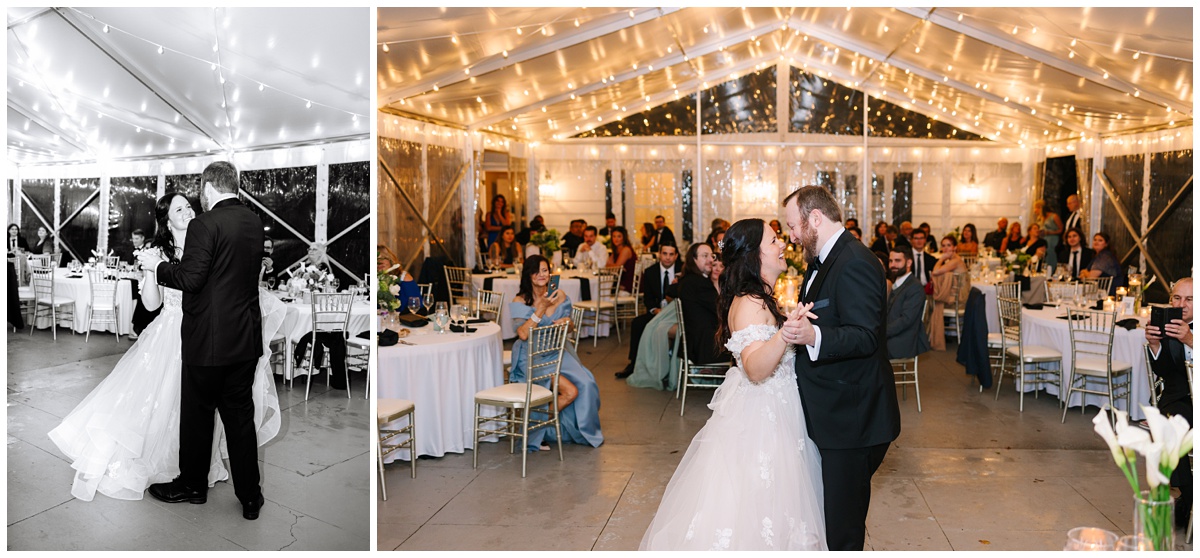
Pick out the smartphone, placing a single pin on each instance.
(1162, 315)
(553, 286)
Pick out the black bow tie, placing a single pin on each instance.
(815, 264)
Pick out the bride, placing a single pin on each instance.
(124, 436)
(751, 478)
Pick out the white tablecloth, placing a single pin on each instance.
(77, 288)
(1042, 327)
(441, 374)
(1036, 293)
(570, 284)
(298, 321)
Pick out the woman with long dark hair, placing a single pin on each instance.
(124, 436)
(506, 248)
(622, 256)
(751, 478)
(578, 394)
(1105, 263)
(44, 244)
(497, 218)
(968, 244)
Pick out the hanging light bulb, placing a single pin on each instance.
(1137, 54)
(308, 104)
(260, 87)
(160, 49)
(106, 28)
(386, 48)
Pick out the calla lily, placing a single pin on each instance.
(1103, 427)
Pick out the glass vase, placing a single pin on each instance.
(1154, 519)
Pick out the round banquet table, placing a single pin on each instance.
(298, 321)
(1043, 327)
(510, 283)
(1036, 293)
(441, 374)
(79, 290)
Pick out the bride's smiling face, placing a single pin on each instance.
(771, 253)
(180, 214)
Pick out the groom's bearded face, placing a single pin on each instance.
(808, 238)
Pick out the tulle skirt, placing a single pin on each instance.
(124, 436)
(750, 480)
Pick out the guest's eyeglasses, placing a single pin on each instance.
(1176, 299)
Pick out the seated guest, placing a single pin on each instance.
(713, 238)
(923, 261)
(269, 273)
(535, 226)
(928, 231)
(906, 229)
(610, 221)
(574, 237)
(16, 242)
(591, 250)
(506, 248)
(1035, 245)
(386, 262)
(662, 234)
(1170, 351)
(968, 243)
(856, 232)
(1074, 254)
(851, 222)
(622, 256)
(578, 395)
(315, 257)
(1105, 263)
(995, 239)
(699, 298)
(44, 244)
(906, 336)
(655, 281)
(880, 233)
(948, 265)
(778, 228)
(647, 237)
(1013, 241)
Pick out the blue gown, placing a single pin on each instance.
(580, 420)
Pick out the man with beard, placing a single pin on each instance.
(846, 383)
(905, 336)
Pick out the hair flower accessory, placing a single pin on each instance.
(721, 245)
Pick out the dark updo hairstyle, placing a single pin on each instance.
(743, 274)
(163, 239)
(533, 264)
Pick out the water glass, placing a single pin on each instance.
(1135, 543)
(441, 318)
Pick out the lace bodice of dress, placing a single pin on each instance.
(172, 298)
(785, 371)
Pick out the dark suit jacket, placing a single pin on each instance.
(849, 392)
(906, 336)
(664, 236)
(570, 243)
(1085, 256)
(995, 239)
(652, 286)
(929, 261)
(699, 300)
(1171, 367)
(222, 321)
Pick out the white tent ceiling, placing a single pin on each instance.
(1015, 75)
(123, 83)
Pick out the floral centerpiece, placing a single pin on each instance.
(1018, 261)
(387, 292)
(547, 241)
(1168, 441)
(308, 277)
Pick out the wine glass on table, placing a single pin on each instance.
(427, 298)
(414, 304)
(464, 313)
(441, 317)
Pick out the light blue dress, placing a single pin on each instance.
(580, 420)
(654, 368)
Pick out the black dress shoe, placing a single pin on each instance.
(174, 492)
(250, 509)
(627, 372)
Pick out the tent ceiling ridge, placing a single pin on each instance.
(1038, 55)
(605, 25)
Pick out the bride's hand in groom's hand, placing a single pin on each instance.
(798, 329)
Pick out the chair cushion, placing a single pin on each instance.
(514, 394)
(951, 313)
(593, 304)
(25, 293)
(1036, 353)
(58, 300)
(103, 306)
(389, 408)
(1094, 365)
(995, 340)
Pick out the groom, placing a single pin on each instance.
(846, 384)
(222, 340)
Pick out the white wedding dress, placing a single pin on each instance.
(751, 478)
(124, 436)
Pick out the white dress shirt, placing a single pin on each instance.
(1072, 221)
(919, 265)
(900, 281)
(598, 254)
(815, 348)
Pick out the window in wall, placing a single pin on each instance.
(79, 217)
(1170, 243)
(1125, 174)
(849, 198)
(38, 212)
(130, 207)
(349, 202)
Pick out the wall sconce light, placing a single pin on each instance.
(972, 191)
(547, 188)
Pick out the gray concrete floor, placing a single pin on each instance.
(316, 472)
(967, 473)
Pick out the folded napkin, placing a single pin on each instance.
(1033, 305)
(1080, 317)
(478, 321)
(459, 329)
(388, 338)
(413, 320)
(1129, 323)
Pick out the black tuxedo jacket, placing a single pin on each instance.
(995, 239)
(1172, 368)
(652, 286)
(663, 236)
(848, 392)
(1086, 255)
(699, 300)
(906, 336)
(222, 321)
(929, 262)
